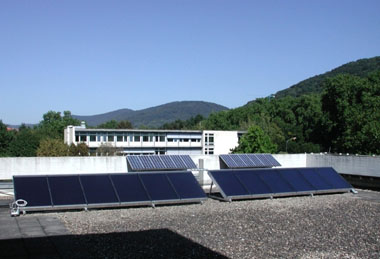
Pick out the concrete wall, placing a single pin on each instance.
(358, 165)
(291, 160)
(60, 165)
(353, 165)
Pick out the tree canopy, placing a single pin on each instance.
(255, 141)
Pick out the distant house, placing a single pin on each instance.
(160, 142)
(10, 129)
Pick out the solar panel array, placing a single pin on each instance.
(249, 160)
(106, 190)
(160, 162)
(256, 183)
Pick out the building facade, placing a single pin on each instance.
(168, 142)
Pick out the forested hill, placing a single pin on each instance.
(361, 68)
(156, 116)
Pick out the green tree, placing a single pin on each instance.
(53, 124)
(107, 150)
(24, 143)
(5, 139)
(78, 150)
(255, 141)
(352, 118)
(124, 124)
(52, 148)
(112, 124)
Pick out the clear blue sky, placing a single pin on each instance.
(92, 57)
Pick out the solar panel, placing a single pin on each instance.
(158, 187)
(254, 184)
(147, 163)
(106, 190)
(249, 160)
(315, 179)
(268, 182)
(98, 189)
(333, 179)
(272, 160)
(66, 190)
(186, 185)
(135, 163)
(160, 162)
(188, 162)
(257, 162)
(275, 182)
(228, 183)
(179, 164)
(33, 189)
(264, 160)
(168, 162)
(129, 188)
(156, 160)
(296, 179)
(227, 159)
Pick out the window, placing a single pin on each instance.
(170, 140)
(209, 151)
(119, 138)
(145, 138)
(92, 138)
(77, 138)
(83, 138)
(111, 138)
(162, 138)
(136, 138)
(209, 139)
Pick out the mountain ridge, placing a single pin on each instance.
(361, 67)
(155, 116)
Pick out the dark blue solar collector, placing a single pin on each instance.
(269, 182)
(106, 190)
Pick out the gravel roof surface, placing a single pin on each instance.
(325, 226)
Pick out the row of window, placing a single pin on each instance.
(132, 138)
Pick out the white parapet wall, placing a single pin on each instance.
(347, 164)
(291, 160)
(357, 165)
(60, 165)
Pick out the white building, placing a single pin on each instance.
(169, 142)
